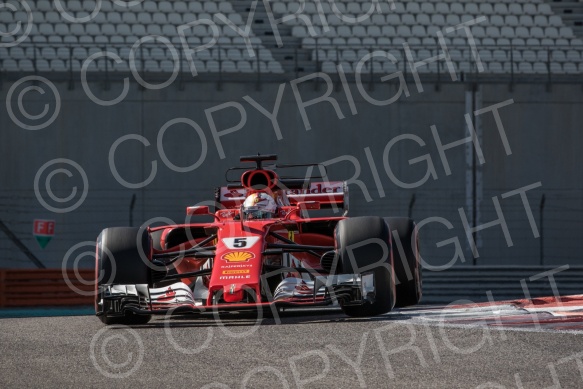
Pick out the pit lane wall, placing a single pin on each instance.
(178, 143)
(45, 287)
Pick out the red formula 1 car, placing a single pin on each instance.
(263, 250)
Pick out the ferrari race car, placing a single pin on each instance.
(262, 250)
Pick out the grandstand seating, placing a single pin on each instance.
(517, 36)
(526, 33)
(60, 43)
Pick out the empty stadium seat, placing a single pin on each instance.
(150, 6)
(515, 8)
(48, 53)
(58, 65)
(556, 68)
(558, 56)
(44, 5)
(525, 67)
(540, 67)
(457, 8)
(244, 67)
(517, 23)
(392, 19)
(114, 17)
(10, 65)
(63, 52)
(542, 55)
(43, 65)
(495, 67)
(570, 67)
(544, 9)
(159, 18)
(573, 56)
(228, 66)
(26, 65)
(427, 8)
(165, 6)
(486, 9)
(144, 18)
(555, 21)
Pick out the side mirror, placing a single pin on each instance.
(198, 210)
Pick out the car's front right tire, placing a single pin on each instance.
(121, 257)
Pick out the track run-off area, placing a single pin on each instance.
(511, 344)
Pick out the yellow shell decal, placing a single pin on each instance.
(238, 256)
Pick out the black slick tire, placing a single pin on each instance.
(363, 246)
(119, 262)
(408, 277)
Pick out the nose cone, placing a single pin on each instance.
(237, 265)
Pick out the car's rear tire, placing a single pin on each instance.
(368, 257)
(408, 286)
(119, 262)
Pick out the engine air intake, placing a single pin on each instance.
(259, 179)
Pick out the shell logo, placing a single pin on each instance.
(238, 256)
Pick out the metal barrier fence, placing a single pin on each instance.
(484, 283)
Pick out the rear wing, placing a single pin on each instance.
(329, 194)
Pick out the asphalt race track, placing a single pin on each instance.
(534, 344)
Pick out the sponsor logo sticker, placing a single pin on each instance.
(228, 214)
(238, 266)
(238, 256)
(237, 277)
(240, 271)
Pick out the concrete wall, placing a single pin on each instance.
(542, 128)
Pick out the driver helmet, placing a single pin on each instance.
(259, 206)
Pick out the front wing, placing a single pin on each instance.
(349, 289)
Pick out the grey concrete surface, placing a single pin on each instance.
(308, 350)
